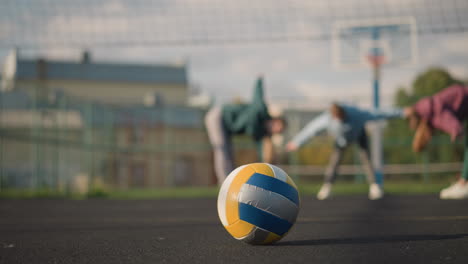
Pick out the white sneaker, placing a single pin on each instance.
(444, 193)
(456, 191)
(375, 192)
(324, 192)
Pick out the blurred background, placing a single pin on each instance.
(108, 95)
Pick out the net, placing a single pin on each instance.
(109, 23)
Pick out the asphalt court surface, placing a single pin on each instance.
(346, 229)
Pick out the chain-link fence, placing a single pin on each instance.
(71, 144)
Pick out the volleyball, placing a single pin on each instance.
(258, 203)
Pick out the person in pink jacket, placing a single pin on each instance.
(445, 111)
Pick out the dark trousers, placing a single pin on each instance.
(337, 155)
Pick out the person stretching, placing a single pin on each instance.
(251, 119)
(346, 124)
(445, 111)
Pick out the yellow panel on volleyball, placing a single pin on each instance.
(239, 229)
(232, 205)
(272, 237)
(263, 168)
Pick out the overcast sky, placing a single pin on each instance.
(225, 43)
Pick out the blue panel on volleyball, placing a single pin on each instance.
(263, 219)
(274, 185)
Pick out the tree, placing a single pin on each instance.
(427, 83)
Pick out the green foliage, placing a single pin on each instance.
(397, 143)
(316, 152)
(97, 193)
(15, 193)
(402, 98)
(427, 83)
(432, 81)
(341, 188)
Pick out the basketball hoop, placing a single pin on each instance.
(376, 56)
(376, 60)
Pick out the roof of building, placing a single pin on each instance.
(27, 69)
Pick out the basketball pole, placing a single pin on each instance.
(377, 136)
(376, 139)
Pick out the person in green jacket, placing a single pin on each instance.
(252, 119)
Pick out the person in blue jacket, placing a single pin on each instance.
(346, 124)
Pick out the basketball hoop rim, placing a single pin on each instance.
(375, 61)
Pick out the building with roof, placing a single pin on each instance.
(104, 82)
(128, 126)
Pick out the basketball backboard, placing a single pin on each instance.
(361, 43)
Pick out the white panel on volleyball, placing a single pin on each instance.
(223, 194)
(279, 173)
(268, 201)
